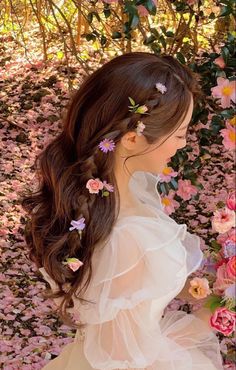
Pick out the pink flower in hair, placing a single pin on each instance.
(73, 263)
(94, 185)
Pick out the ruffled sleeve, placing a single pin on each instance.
(135, 276)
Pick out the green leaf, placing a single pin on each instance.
(105, 193)
(225, 10)
(90, 37)
(225, 54)
(132, 101)
(103, 40)
(134, 21)
(212, 303)
(116, 35)
(215, 246)
(174, 183)
(90, 17)
(107, 13)
(149, 40)
(180, 57)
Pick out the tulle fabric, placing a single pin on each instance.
(141, 268)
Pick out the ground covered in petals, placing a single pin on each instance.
(33, 98)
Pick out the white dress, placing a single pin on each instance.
(143, 266)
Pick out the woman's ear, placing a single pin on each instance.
(129, 140)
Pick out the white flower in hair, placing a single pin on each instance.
(162, 88)
(140, 127)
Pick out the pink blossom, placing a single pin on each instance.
(169, 203)
(74, 263)
(167, 174)
(231, 267)
(229, 136)
(220, 62)
(230, 235)
(225, 90)
(94, 186)
(231, 201)
(223, 320)
(223, 281)
(223, 220)
(110, 1)
(142, 11)
(191, 2)
(186, 189)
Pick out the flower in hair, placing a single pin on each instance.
(140, 127)
(73, 263)
(136, 108)
(78, 225)
(94, 185)
(108, 187)
(107, 145)
(160, 87)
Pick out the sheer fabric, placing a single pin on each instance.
(141, 268)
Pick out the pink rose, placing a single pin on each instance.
(223, 320)
(94, 186)
(223, 280)
(231, 201)
(231, 267)
(223, 220)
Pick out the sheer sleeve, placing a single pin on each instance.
(133, 285)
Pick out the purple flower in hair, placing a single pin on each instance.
(107, 145)
(78, 225)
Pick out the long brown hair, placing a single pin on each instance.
(99, 109)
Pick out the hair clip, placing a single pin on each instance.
(160, 87)
(107, 145)
(135, 108)
(140, 127)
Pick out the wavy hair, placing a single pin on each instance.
(98, 110)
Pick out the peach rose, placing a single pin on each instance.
(223, 320)
(94, 186)
(199, 288)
